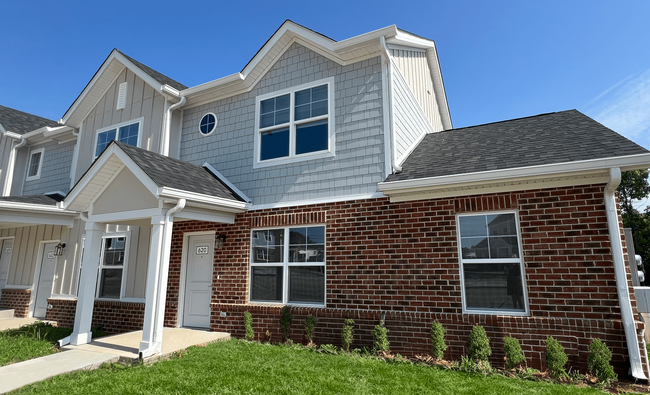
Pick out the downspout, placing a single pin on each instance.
(75, 157)
(391, 105)
(9, 177)
(636, 366)
(164, 148)
(162, 284)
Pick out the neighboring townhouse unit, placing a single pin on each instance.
(325, 176)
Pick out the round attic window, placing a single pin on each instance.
(208, 124)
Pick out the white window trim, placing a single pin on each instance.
(40, 164)
(519, 260)
(292, 158)
(116, 126)
(216, 123)
(285, 267)
(127, 245)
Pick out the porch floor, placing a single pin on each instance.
(122, 347)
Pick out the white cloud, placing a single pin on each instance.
(625, 108)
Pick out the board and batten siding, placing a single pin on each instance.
(142, 101)
(358, 164)
(138, 259)
(414, 67)
(55, 170)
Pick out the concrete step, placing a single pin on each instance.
(6, 313)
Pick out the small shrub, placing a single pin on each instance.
(310, 324)
(347, 335)
(285, 323)
(479, 345)
(555, 357)
(438, 345)
(248, 323)
(473, 366)
(329, 349)
(512, 349)
(380, 336)
(598, 362)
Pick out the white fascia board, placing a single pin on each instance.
(125, 215)
(362, 39)
(193, 197)
(231, 79)
(36, 208)
(227, 182)
(200, 214)
(439, 88)
(51, 132)
(403, 38)
(12, 135)
(578, 168)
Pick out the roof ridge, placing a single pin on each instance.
(154, 73)
(509, 120)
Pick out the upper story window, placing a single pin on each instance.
(35, 164)
(208, 124)
(491, 267)
(126, 132)
(295, 124)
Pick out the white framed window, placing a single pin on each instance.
(208, 124)
(35, 164)
(491, 264)
(112, 265)
(287, 265)
(126, 132)
(295, 124)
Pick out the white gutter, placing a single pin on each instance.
(9, 175)
(164, 144)
(161, 294)
(388, 92)
(636, 366)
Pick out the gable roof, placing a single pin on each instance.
(163, 79)
(20, 122)
(558, 137)
(104, 78)
(548, 150)
(173, 173)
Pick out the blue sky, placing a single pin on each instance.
(499, 59)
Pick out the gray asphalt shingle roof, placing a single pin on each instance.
(161, 78)
(48, 200)
(174, 173)
(22, 122)
(558, 137)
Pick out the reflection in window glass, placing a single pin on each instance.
(34, 163)
(266, 283)
(275, 144)
(311, 137)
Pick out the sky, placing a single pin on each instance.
(500, 59)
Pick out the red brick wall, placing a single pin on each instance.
(17, 299)
(113, 316)
(402, 258)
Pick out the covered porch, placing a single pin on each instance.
(132, 187)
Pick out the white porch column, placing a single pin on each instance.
(149, 345)
(86, 296)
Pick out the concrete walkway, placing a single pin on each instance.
(123, 347)
(15, 323)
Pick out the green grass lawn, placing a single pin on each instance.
(30, 341)
(239, 367)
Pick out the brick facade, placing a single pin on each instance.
(17, 299)
(402, 258)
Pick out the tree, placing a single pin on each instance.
(634, 185)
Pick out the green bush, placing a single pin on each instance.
(310, 325)
(347, 334)
(479, 345)
(555, 357)
(285, 323)
(248, 323)
(438, 345)
(512, 349)
(598, 362)
(380, 336)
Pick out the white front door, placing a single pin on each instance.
(198, 281)
(45, 279)
(5, 257)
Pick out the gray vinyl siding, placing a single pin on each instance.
(410, 122)
(358, 164)
(55, 171)
(141, 101)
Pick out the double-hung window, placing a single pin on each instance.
(127, 132)
(288, 265)
(492, 270)
(111, 266)
(295, 124)
(35, 164)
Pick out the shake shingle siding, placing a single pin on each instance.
(359, 161)
(55, 170)
(560, 137)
